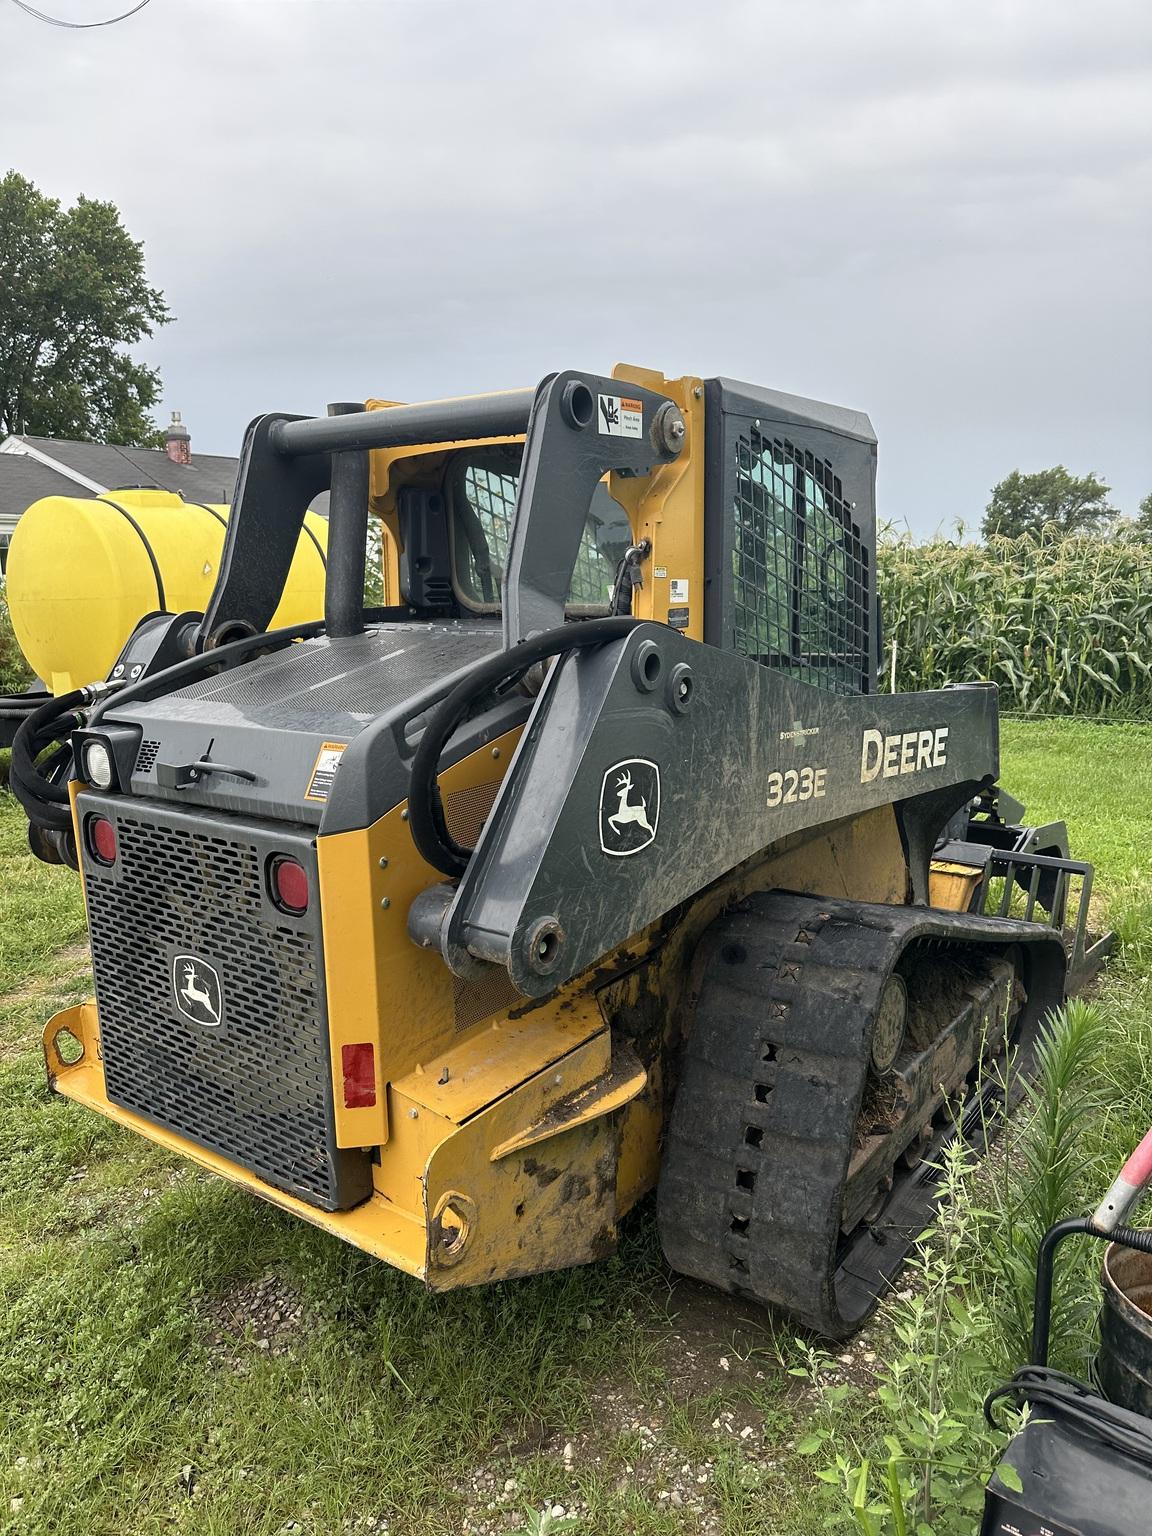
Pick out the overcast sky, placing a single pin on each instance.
(940, 213)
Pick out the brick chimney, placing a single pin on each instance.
(177, 442)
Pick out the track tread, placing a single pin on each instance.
(760, 1136)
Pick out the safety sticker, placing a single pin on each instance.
(661, 573)
(677, 591)
(620, 416)
(324, 770)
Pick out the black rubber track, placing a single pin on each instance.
(761, 1132)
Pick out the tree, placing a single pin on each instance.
(1144, 521)
(1051, 498)
(73, 296)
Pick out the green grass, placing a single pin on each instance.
(40, 905)
(1097, 778)
(113, 1258)
(963, 1325)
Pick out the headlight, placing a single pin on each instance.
(98, 765)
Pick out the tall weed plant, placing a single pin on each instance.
(918, 1459)
(1062, 625)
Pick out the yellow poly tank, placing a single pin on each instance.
(83, 571)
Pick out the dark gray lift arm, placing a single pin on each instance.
(733, 757)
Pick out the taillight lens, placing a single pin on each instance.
(289, 885)
(358, 1064)
(102, 840)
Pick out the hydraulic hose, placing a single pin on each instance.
(425, 807)
(43, 796)
(18, 706)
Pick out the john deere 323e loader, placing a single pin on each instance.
(592, 862)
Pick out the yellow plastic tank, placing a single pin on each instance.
(83, 571)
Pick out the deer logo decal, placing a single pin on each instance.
(196, 989)
(629, 807)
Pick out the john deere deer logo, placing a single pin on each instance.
(196, 989)
(629, 807)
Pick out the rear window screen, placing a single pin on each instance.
(482, 485)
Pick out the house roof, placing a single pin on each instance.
(32, 467)
(209, 477)
(24, 480)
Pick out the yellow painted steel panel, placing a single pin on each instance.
(381, 987)
(459, 1082)
(952, 886)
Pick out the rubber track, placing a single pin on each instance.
(761, 1132)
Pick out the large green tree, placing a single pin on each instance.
(73, 297)
(1051, 498)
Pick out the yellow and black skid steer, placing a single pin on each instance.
(591, 862)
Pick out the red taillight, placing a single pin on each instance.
(102, 840)
(289, 885)
(358, 1063)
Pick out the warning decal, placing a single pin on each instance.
(324, 770)
(620, 417)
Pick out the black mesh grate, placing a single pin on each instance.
(146, 756)
(491, 993)
(255, 1087)
(466, 811)
(492, 496)
(799, 567)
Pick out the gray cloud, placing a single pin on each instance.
(939, 213)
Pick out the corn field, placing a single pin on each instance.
(1064, 626)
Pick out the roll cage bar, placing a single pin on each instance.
(572, 439)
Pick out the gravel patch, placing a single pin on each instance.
(268, 1312)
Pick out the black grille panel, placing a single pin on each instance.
(256, 1087)
(800, 579)
(147, 756)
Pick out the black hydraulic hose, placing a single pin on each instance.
(425, 807)
(44, 798)
(15, 706)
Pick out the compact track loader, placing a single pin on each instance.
(592, 862)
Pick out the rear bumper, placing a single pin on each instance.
(376, 1225)
(524, 1184)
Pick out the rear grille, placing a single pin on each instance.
(185, 891)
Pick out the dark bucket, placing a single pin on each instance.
(1124, 1364)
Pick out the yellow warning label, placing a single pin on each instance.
(324, 770)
